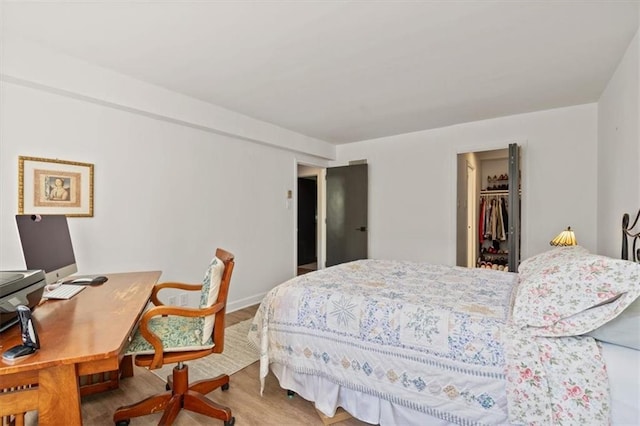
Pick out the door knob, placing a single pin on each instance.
(362, 229)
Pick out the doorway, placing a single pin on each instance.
(307, 224)
(340, 233)
(488, 209)
(310, 218)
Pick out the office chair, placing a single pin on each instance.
(169, 334)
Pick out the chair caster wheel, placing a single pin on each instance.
(123, 422)
(230, 422)
(291, 394)
(225, 387)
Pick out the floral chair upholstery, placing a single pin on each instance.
(174, 334)
(184, 333)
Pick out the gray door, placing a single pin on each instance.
(347, 189)
(514, 207)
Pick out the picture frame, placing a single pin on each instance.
(52, 186)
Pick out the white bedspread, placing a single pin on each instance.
(467, 346)
(371, 327)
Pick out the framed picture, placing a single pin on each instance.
(47, 186)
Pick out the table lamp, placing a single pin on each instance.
(565, 238)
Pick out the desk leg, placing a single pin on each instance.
(126, 366)
(59, 396)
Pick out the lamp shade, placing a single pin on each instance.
(565, 238)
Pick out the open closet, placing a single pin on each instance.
(488, 216)
(493, 221)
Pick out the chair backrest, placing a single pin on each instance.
(218, 326)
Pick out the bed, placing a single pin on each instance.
(397, 342)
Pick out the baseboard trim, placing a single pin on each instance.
(236, 305)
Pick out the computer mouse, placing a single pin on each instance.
(100, 279)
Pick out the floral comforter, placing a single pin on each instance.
(469, 346)
(423, 336)
(556, 373)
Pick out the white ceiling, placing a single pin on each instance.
(348, 71)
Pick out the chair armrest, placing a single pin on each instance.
(180, 286)
(154, 339)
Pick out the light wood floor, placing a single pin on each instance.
(243, 397)
(309, 267)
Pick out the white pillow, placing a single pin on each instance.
(209, 295)
(623, 330)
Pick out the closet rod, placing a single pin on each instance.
(487, 193)
(493, 193)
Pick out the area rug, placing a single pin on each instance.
(238, 354)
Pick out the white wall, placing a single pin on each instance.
(619, 150)
(171, 181)
(412, 180)
(165, 195)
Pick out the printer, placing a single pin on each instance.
(19, 288)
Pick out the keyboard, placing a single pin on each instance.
(65, 291)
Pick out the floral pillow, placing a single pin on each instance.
(568, 291)
(536, 263)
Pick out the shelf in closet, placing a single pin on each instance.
(494, 254)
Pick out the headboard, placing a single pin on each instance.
(628, 234)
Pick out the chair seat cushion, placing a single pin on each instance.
(177, 334)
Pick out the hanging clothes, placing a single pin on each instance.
(505, 215)
(481, 221)
(500, 234)
(487, 220)
(493, 219)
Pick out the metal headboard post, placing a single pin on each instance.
(635, 237)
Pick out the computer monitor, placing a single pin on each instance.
(46, 245)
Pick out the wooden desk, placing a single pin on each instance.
(86, 334)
